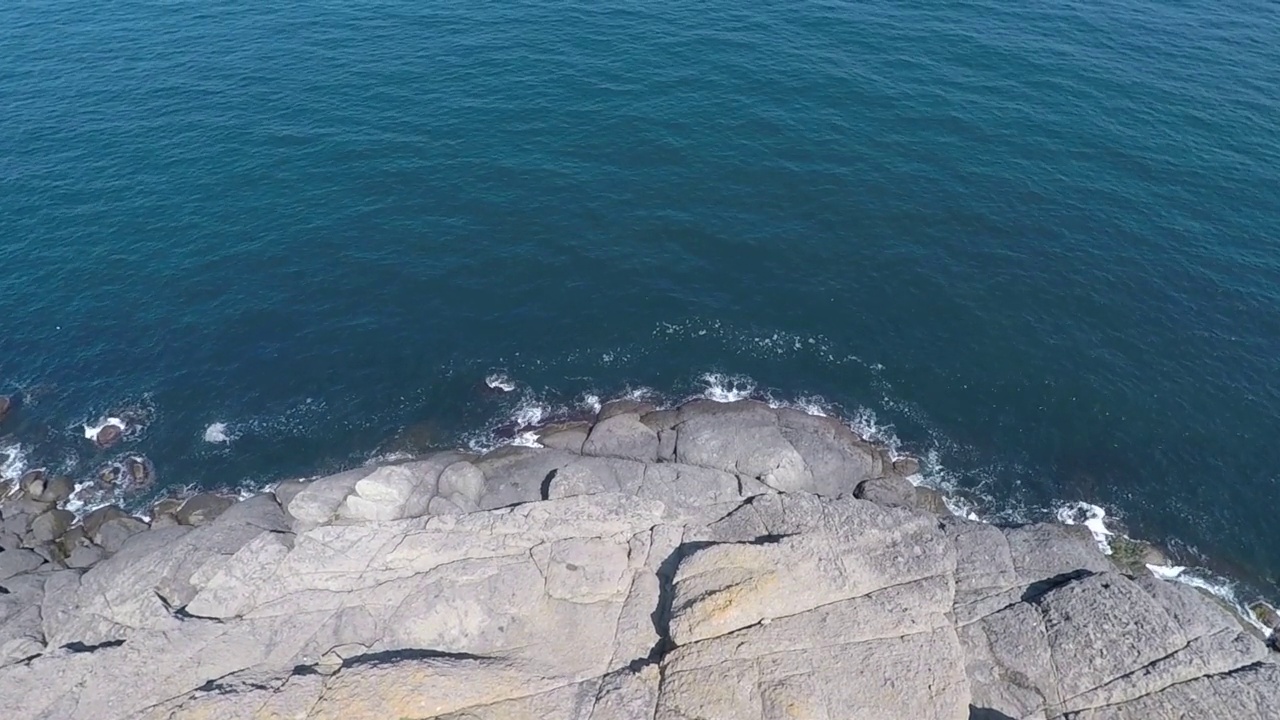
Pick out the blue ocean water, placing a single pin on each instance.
(1036, 242)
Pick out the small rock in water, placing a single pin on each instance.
(109, 475)
(1266, 615)
(109, 435)
(33, 483)
(6, 404)
(138, 469)
(906, 466)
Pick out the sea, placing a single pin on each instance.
(1034, 243)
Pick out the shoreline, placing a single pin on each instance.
(532, 417)
(657, 539)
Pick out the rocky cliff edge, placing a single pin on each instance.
(712, 561)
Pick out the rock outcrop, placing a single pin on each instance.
(712, 561)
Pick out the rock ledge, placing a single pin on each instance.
(712, 561)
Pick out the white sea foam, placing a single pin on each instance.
(80, 502)
(641, 393)
(218, 433)
(518, 428)
(389, 458)
(91, 430)
(1092, 517)
(499, 381)
(727, 388)
(529, 413)
(591, 403)
(1223, 589)
(528, 438)
(809, 404)
(13, 461)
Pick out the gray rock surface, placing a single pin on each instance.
(203, 509)
(710, 561)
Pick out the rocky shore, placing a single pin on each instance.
(711, 561)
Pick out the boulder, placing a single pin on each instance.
(50, 525)
(112, 533)
(32, 483)
(395, 492)
(740, 438)
(906, 466)
(889, 491)
(164, 513)
(85, 556)
(318, 501)
(57, 489)
(1266, 614)
(94, 520)
(462, 485)
(16, 562)
(286, 490)
(624, 406)
(15, 523)
(568, 437)
(203, 509)
(139, 472)
(622, 435)
(108, 436)
(260, 511)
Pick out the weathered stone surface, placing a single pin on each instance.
(663, 576)
(889, 491)
(50, 525)
(622, 435)
(108, 436)
(396, 492)
(203, 509)
(566, 437)
(112, 534)
(57, 489)
(16, 562)
(317, 502)
(94, 520)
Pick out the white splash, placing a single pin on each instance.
(1092, 517)
(1167, 572)
(91, 431)
(809, 404)
(13, 462)
(77, 503)
(218, 433)
(727, 388)
(528, 438)
(499, 381)
(591, 403)
(1220, 588)
(529, 413)
(386, 458)
(641, 393)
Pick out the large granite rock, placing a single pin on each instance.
(711, 561)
